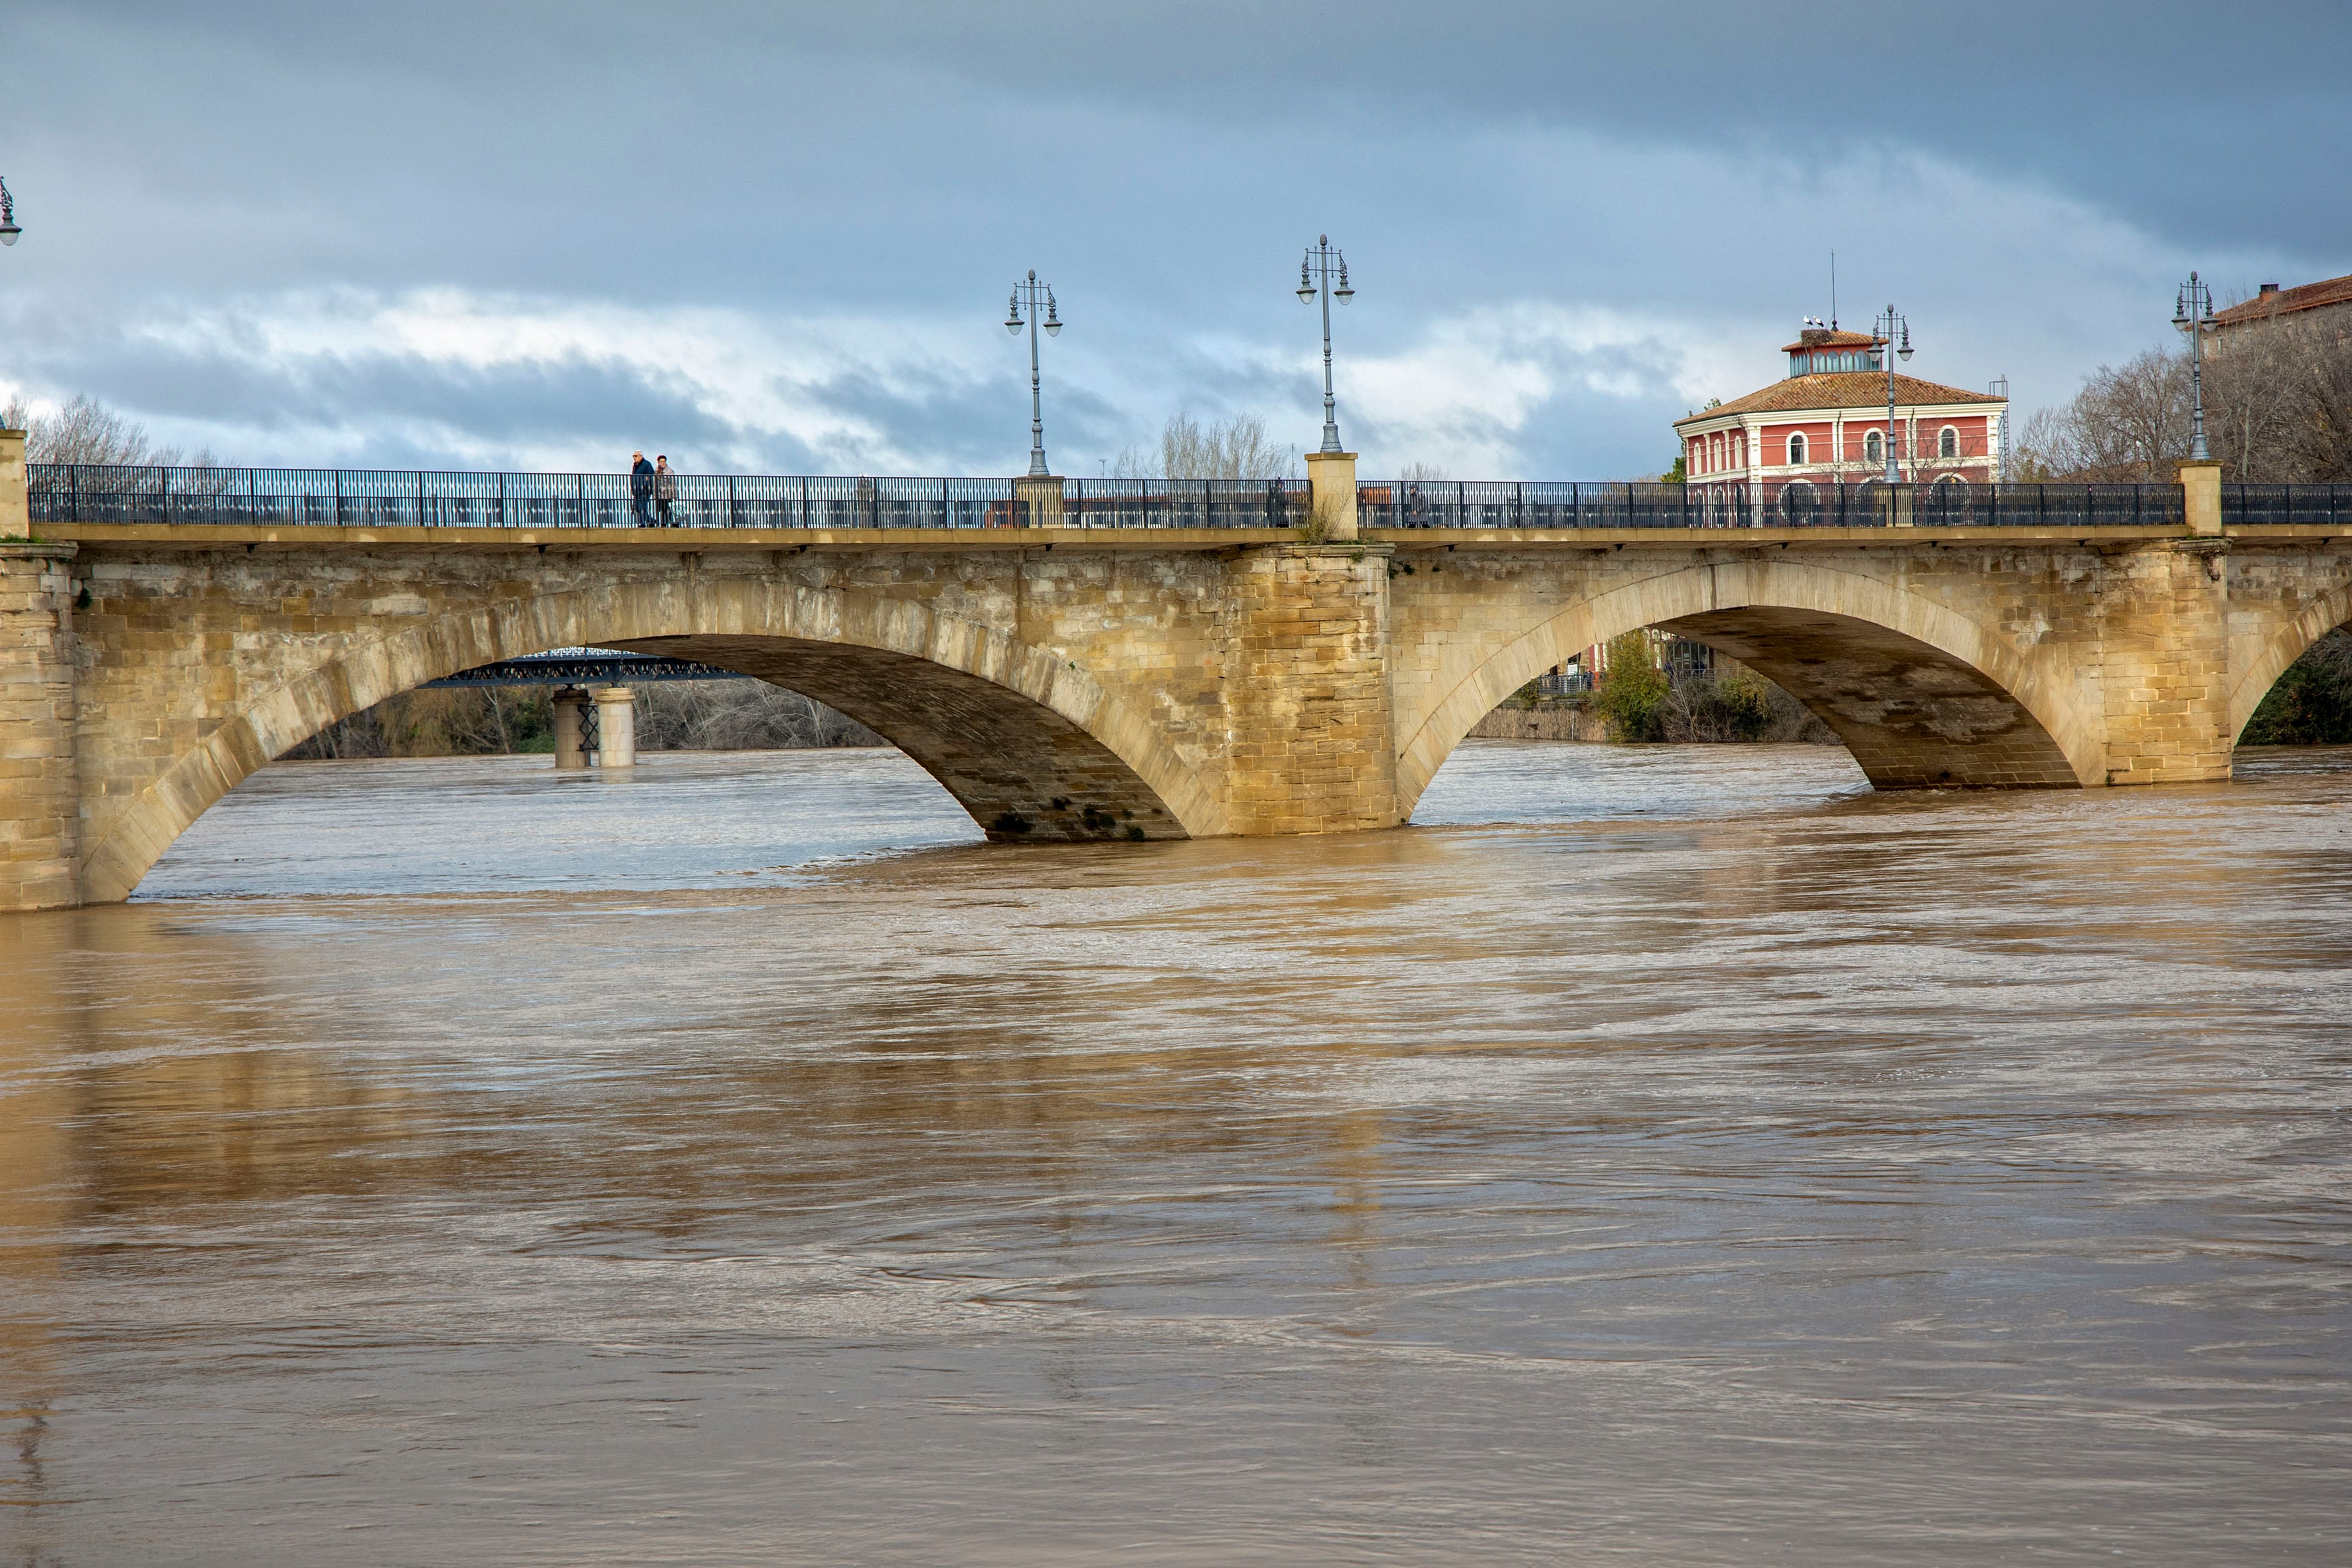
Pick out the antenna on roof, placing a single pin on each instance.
(1833, 290)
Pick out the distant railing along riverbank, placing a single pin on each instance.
(371, 497)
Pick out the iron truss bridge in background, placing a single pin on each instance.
(91, 493)
(587, 667)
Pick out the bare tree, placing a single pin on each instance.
(1236, 449)
(2278, 400)
(86, 431)
(2278, 409)
(2129, 424)
(739, 716)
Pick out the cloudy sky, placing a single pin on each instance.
(778, 238)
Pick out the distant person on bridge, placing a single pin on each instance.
(665, 491)
(641, 488)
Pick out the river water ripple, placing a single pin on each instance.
(1665, 1155)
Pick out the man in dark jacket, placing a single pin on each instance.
(641, 490)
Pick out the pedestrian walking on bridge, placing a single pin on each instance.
(641, 490)
(665, 491)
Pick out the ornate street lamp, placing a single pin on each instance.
(8, 229)
(1316, 273)
(1028, 291)
(2193, 312)
(1884, 329)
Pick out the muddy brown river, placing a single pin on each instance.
(1656, 1155)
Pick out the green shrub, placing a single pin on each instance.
(1632, 693)
(2312, 703)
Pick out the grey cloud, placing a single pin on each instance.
(1162, 164)
(2191, 120)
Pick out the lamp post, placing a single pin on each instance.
(1028, 291)
(2193, 312)
(8, 229)
(1322, 264)
(1884, 329)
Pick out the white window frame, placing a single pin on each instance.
(1800, 451)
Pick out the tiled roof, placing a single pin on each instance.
(1829, 338)
(1839, 389)
(2280, 302)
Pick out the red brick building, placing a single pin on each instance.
(1825, 424)
(2324, 307)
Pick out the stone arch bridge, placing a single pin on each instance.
(1072, 682)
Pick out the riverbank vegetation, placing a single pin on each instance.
(1641, 702)
(2312, 703)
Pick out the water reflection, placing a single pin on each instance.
(1677, 1156)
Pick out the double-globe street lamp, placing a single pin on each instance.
(1884, 329)
(1026, 293)
(2193, 312)
(1316, 274)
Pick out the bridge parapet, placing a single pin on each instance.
(59, 493)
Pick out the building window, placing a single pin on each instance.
(1796, 448)
(1948, 445)
(1800, 504)
(1873, 447)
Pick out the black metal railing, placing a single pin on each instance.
(2246, 505)
(1793, 503)
(61, 492)
(1185, 503)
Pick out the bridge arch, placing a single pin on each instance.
(2286, 642)
(1923, 696)
(1027, 741)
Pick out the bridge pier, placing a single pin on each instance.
(2165, 664)
(1313, 746)
(41, 776)
(570, 734)
(616, 727)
